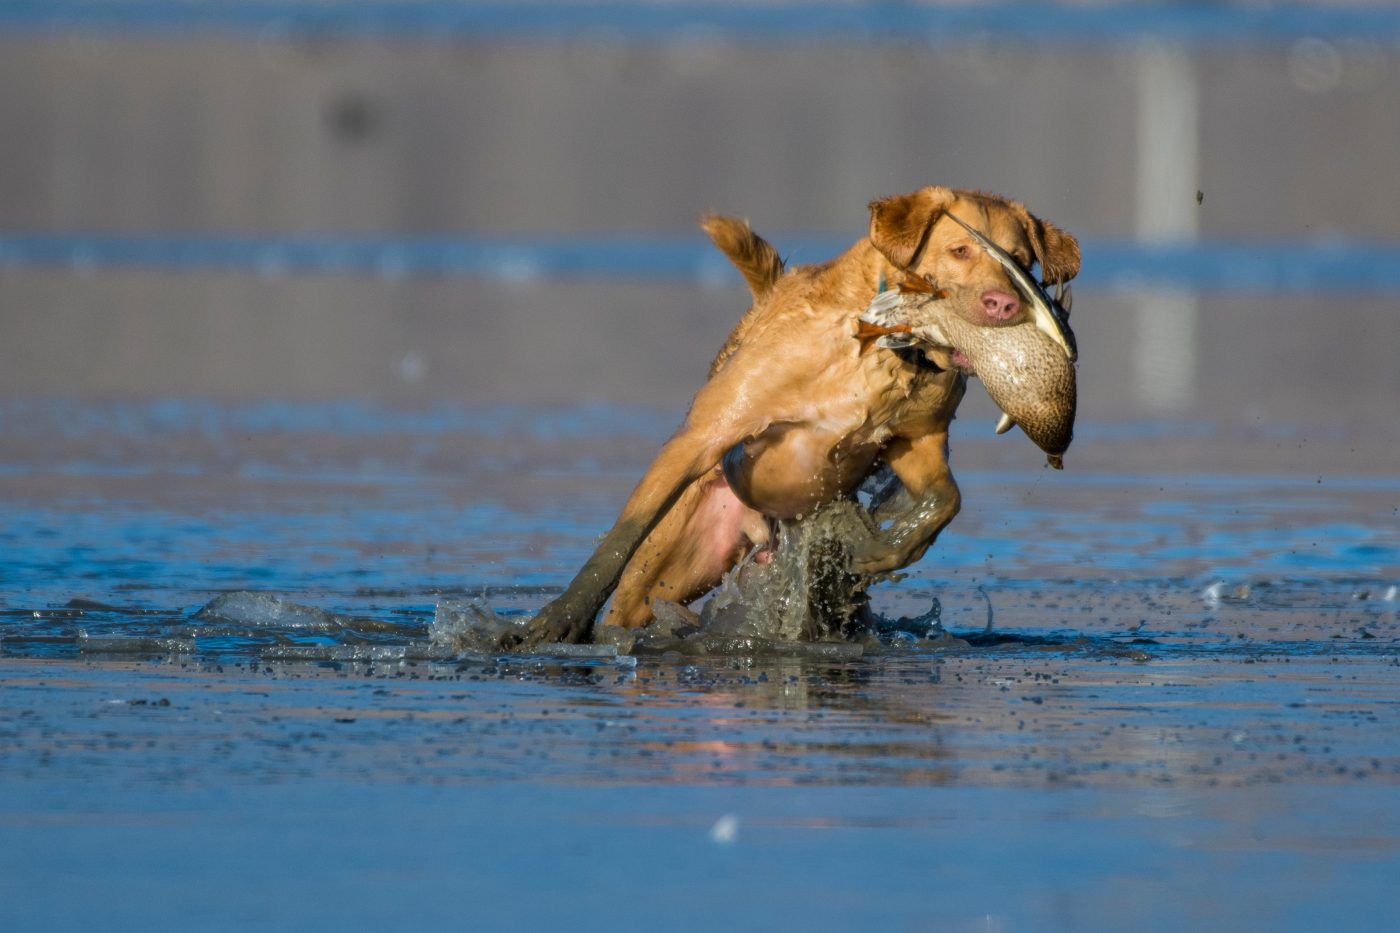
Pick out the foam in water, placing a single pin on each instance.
(470, 627)
(805, 602)
(467, 625)
(806, 594)
(267, 610)
(133, 644)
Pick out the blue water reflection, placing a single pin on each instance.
(364, 508)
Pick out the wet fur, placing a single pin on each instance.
(794, 414)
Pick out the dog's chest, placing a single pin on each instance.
(919, 395)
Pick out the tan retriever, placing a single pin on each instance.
(794, 415)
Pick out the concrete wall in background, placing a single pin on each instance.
(138, 333)
(273, 135)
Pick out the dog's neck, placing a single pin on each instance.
(877, 272)
(878, 275)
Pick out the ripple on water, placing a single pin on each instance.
(135, 519)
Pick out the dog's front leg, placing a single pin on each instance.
(933, 500)
(909, 536)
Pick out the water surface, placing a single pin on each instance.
(1183, 713)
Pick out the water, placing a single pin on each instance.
(1158, 696)
(354, 523)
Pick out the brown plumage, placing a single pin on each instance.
(1025, 372)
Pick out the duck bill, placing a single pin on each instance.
(1047, 314)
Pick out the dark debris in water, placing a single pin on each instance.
(787, 608)
(1138, 621)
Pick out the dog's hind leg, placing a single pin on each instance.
(702, 536)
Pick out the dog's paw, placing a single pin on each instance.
(554, 623)
(874, 554)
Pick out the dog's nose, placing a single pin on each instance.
(1000, 305)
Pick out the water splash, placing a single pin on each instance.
(807, 591)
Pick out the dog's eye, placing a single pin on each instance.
(961, 252)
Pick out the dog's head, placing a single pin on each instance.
(915, 234)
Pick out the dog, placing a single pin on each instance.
(795, 415)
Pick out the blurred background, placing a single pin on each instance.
(413, 200)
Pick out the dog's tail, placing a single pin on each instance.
(754, 256)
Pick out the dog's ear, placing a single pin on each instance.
(1055, 250)
(899, 225)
